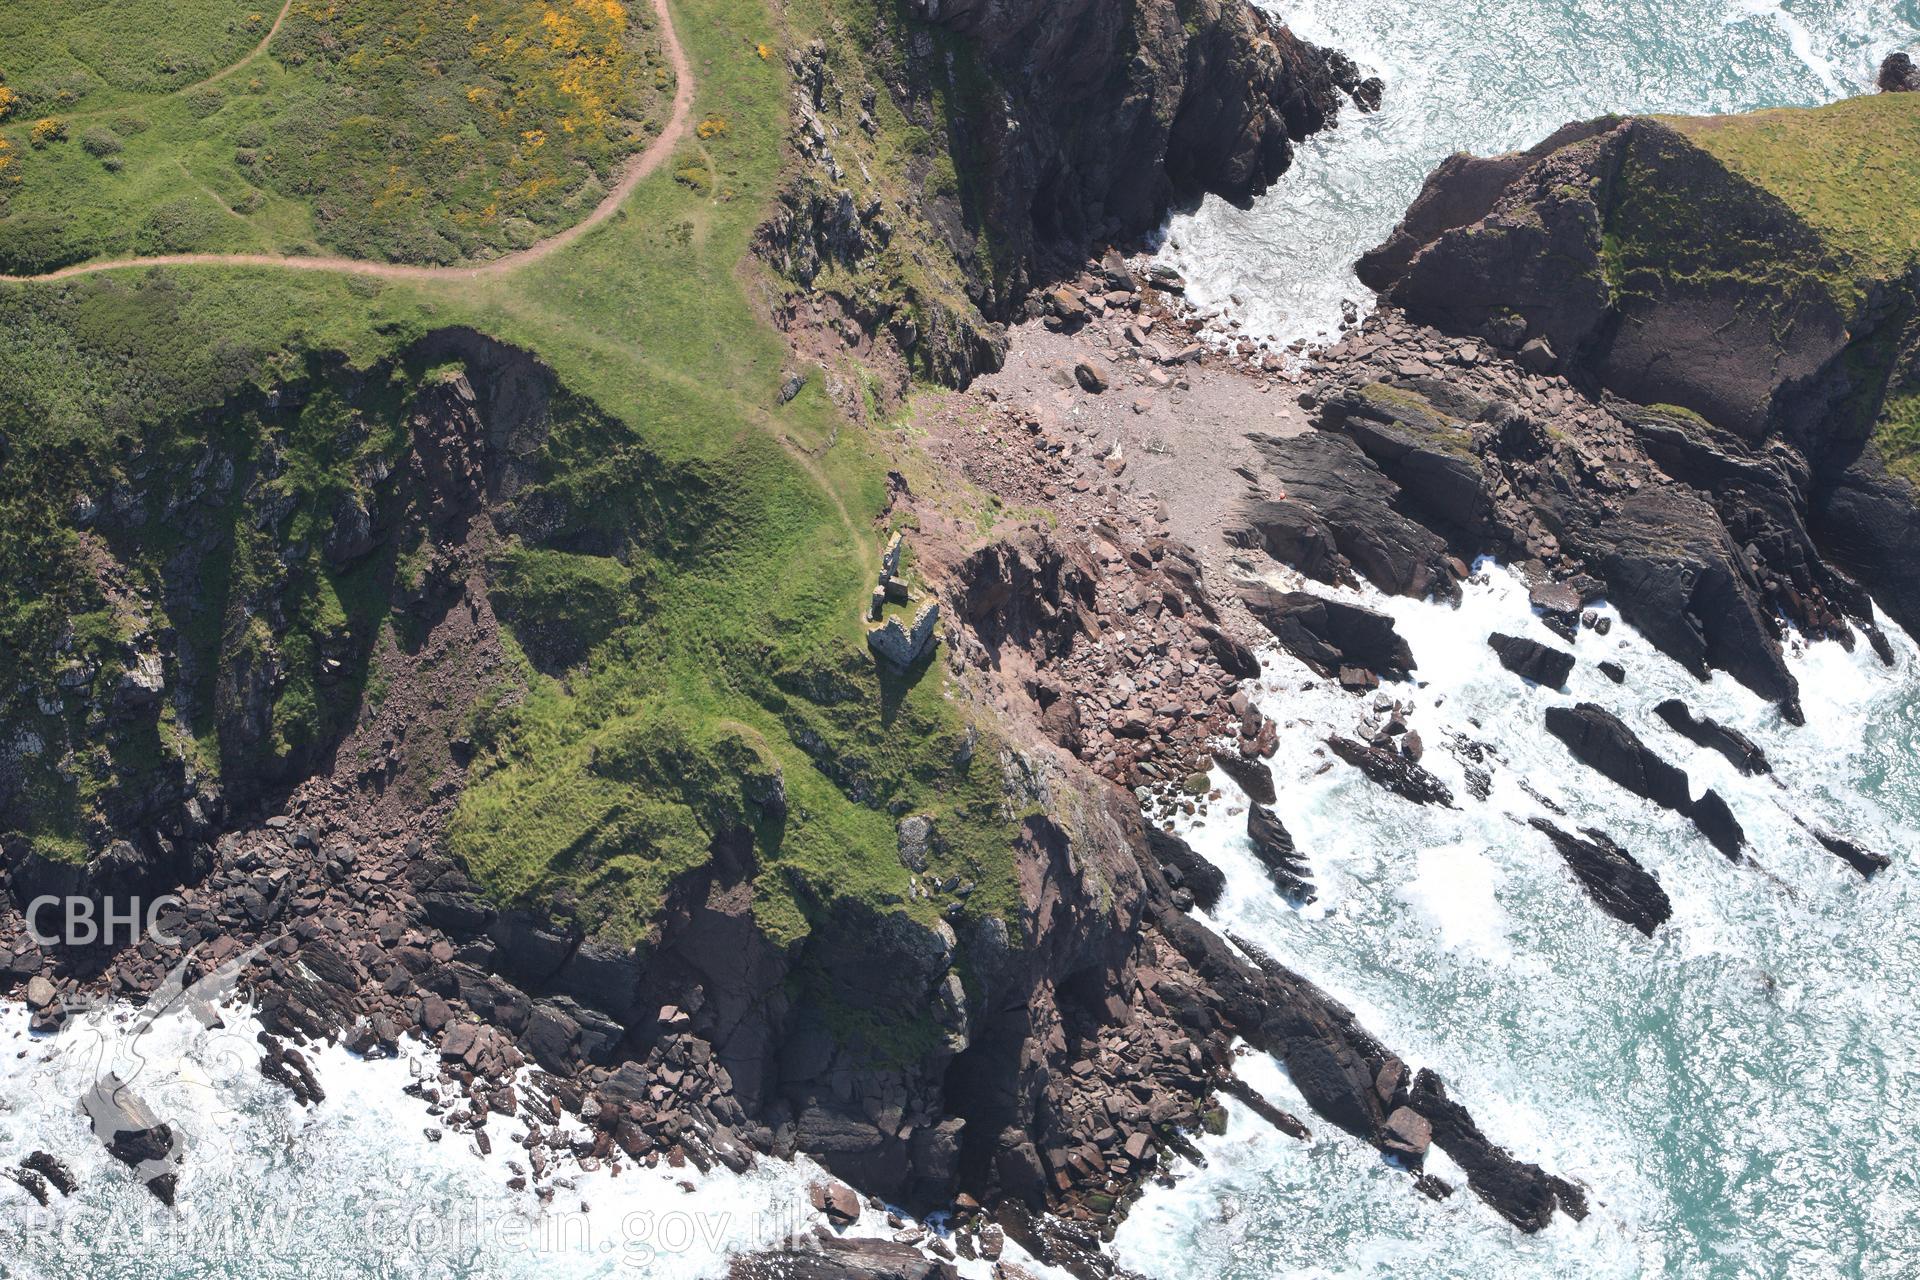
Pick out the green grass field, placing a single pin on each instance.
(422, 131)
(604, 779)
(1850, 169)
(65, 55)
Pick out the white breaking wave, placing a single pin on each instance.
(350, 1187)
(1725, 1089)
(1799, 39)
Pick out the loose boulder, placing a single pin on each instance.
(1408, 1134)
(1530, 660)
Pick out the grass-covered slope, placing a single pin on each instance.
(1850, 169)
(97, 53)
(421, 131)
(684, 618)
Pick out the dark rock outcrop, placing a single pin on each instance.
(1273, 845)
(1461, 191)
(54, 1170)
(134, 1135)
(1717, 823)
(1342, 518)
(1185, 869)
(1599, 740)
(1207, 97)
(1408, 480)
(1762, 349)
(1191, 98)
(1612, 878)
(1251, 776)
(1542, 253)
(1523, 1193)
(1898, 74)
(1392, 770)
(1866, 861)
(1743, 752)
(1529, 659)
(1030, 591)
(1328, 635)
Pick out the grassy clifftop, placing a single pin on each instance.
(1850, 169)
(425, 131)
(691, 628)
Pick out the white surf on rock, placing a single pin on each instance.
(352, 1186)
(1729, 1090)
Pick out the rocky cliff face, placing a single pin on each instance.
(224, 594)
(1006, 141)
(1094, 117)
(1732, 304)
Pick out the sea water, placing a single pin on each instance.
(1487, 76)
(1736, 1093)
(364, 1184)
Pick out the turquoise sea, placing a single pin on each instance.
(1737, 1092)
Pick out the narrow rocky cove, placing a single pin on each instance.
(1436, 801)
